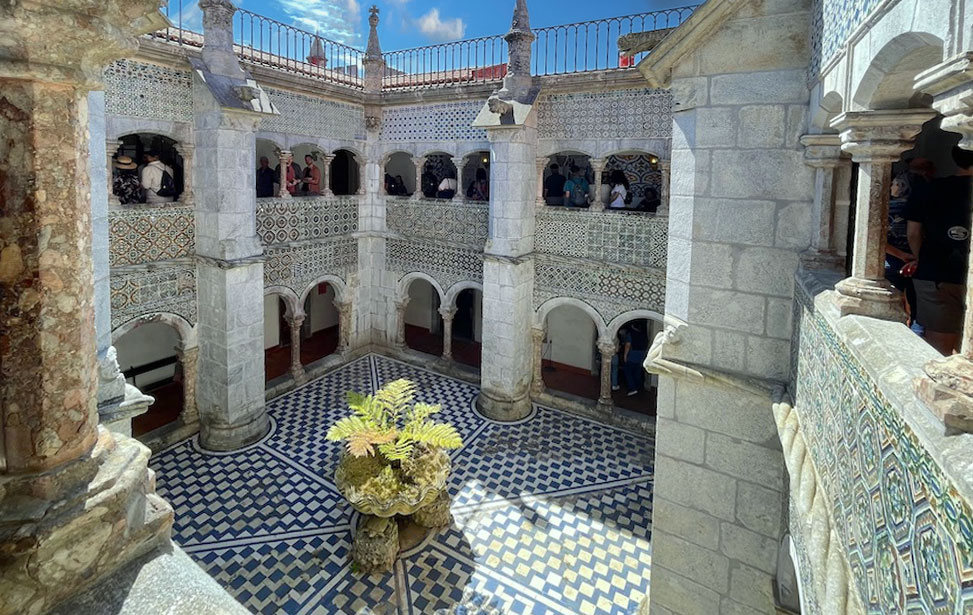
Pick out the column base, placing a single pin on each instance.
(67, 529)
(947, 388)
(503, 409)
(827, 261)
(223, 438)
(874, 298)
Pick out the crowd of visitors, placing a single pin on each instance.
(575, 190)
(298, 181)
(432, 187)
(151, 182)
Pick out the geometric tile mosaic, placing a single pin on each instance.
(300, 265)
(456, 222)
(448, 121)
(139, 290)
(136, 89)
(304, 219)
(446, 264)
(151, 234)
(906, 531)
(552, 514)
(832, 22)
(619, 114)
(318, 117)
(628, 238)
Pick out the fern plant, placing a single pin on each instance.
(389, 425)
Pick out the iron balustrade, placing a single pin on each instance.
(475, 60)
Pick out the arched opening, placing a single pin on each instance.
(439, 177)
(345, 175)
(423, 322)
(268, 169)
(148, 357)
(640, 175)
(475, 182)
(888, 82)
(633, 388)
(568, 180)
(467, 330)
(400, 174)
(147, 168)
(277, 338)
(319, 332)
(570, 352)
(309, 170)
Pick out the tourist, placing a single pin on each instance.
(651, 201)
(293, 179)
(897, 250)
(430, 183)
(448, 187)
(939, 233)
(311, 181)
(266, 178)
(479, 189)
(157, 180)
(619, 190)
(125, 181)
(400, 189)
(576, 188)
(554, 187)
(634, 351)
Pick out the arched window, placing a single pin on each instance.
(147, 168)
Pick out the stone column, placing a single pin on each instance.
(78, 501)
(361, 162)
(537, 348)
(188, 358)
(297, 370)
(286, 158)
(344, 324)
(400, 307)
(598, 166)
(420, 163)
(326, 175)
(111, 148)
(187, 151)
(875, 140)
(823, 154)
(447, 312)
(663, 189)
(541, 164)
(607, 349)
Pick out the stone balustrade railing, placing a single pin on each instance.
(150, 234)
(627, 238)
(281, 221)
(452, 221)
(874, 479)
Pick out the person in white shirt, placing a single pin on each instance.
(620, 188)
(152, 179)
(448, 187)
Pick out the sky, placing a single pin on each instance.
(413, 23)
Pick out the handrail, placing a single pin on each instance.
(472, 60)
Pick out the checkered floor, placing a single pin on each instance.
(552, 514)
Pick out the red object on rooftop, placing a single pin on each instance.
(497, 71)
(625, 61)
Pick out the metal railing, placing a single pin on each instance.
(469, 61)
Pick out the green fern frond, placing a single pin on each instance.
(394, 398)
(348, 427)
(399, 450)
(420, 412)
(440, 435)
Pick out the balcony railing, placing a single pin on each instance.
(475, 60)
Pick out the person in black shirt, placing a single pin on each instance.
(266, 178)
(897, 250)
(635, 347)
(939, 233)
(554, 187)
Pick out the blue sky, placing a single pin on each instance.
(413, 23)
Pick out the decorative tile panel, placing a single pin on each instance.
(832, 22)
(150, 234)
(305, 218)
(151, 91)
(906, 531)
(138, 291)
(448, 121)
(610, 290)
(316, 117)
(454, 221)
(298, 266)
(627, 238)
(446, 264)
(619, 114)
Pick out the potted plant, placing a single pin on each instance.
(394, 465)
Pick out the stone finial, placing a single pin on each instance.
(373, 63)
(521, 20)
(517, 82)
(374, 50)
(218, 38)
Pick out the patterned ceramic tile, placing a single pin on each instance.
(151, 234)
(446, 264)
(569, 535)
(316, 117)
(449, 121)
(151, 91)
(137, 291)
(620, 114)
(455, 222)
(298, 266)
(304, 219)
(832, 22)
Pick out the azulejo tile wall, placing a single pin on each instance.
(298, 266)
(615, 237)
(312, 116)
(454, 222)
(151, 234)
(448, 121)
(137, 89)
(619, 114)
(906, 531)
(446, 264)
(303, 219)
(832, 22)
(138, 291)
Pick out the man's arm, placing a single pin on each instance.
(914, 235)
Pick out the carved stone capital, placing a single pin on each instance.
(951, 86)
(447, 313)
(822, 151)
(607, 348)
(947, 388)
(880, 136)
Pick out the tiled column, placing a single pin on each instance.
(823, 154)
(344, 324)
(598, 166)
(663, 189)
(187, 151)
(111, 148)
(447, 313)
(297, 370)
(537, 350)
(189, 359)
(420, 163)
(286, 158)
(77, 501)
(400, 307)
(607, 350)
(541, 164)
(875, 140)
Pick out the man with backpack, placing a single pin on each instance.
(576, 189)
(157, 180)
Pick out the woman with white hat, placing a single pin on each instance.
(125, 181)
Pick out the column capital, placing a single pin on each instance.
(822, 151)
(401, 304)
(950, 83)
(607, 347)
(447, 312)
(598, 164)
(295, 320)
(537, 333)
(880, 136)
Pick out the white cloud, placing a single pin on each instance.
(435, 28)
(191, 17)
(338, 20)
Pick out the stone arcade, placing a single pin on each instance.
(794, 448)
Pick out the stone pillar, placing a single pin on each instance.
(230, 390)
(374, 63)
(326, 161)
(447, 312)
(188, 358)
(420, 163)
(361, 162)
(663, 189)
(187, 151)
(400, 307)
(537, 350)
(344, 324)
(286, 158)
(607, 349)
(541, 164)
(875, 140)
(297, 370)
(823, 154)
(598, 166)
(111, 148)
(78, 501)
